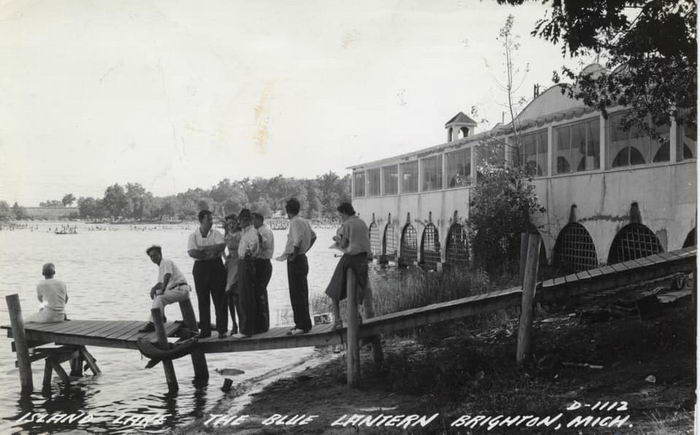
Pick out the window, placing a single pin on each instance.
(431, 169)
(390, 177)
(533, 153)
(409, 177)
(458, 167)
(686, 143)
(635, 146)
(373, 182)
(576, 147)
(359, 183)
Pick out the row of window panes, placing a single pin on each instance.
(576, 147)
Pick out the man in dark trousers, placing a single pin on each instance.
(263, 270)
(206, 245)
(299, 240)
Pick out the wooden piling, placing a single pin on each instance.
(157, 317)
(22, 350)
(368, 304)
(353, 345)
(523, 257)
(528, 297)
(199, 360)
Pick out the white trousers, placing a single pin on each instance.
(177, 294)
(46, 315)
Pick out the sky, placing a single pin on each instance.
(181, 94)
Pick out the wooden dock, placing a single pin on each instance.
(73, 336)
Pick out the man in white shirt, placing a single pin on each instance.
(206, 246)
(263, 270)
(299, 240)
(248, 250)
(53, 294)
(171, 286)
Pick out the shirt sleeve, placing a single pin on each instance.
(191, 243)
(167, 268)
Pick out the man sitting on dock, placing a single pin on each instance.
(171, 286)
(53, 294)
(353, 240)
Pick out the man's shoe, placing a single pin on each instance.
(149, 327)
(296, 331)
(204, 334)
(239, 335)
(222, 335)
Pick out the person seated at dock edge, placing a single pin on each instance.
(263, 271)
(299, 240)
(171, 286)
(353, 239)
(248, 250)
(53, 294)
(232, 238)
(206, 246)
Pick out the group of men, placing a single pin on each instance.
(239, 285)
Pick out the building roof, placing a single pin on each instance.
(460, 118)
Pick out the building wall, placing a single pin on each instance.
(665, 195)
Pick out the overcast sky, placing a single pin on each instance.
(179, 94)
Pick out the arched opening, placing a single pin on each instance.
(409, 245)
(457, 247)
(633, 241)
(464, 132)
(574, 250)
(690, 239)
(628, 156)
(430, 247)
(375, 240)
(389, 242)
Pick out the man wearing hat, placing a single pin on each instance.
(171, 286)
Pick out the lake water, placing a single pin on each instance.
(109, 276)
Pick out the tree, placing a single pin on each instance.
(18, 212)
(140, 200)
(115, 201)
(5, 212)
(51, 203)
(502, 203)
(649, 55)
(68, 199)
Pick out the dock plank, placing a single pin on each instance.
(117, 333)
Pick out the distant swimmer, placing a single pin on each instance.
(171, 286)
(52, 293)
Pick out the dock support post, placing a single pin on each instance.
(353, 350)
(199, 360)
(22, 350)
(163, 340)
(529, 284)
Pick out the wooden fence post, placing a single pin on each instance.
(529, 284)
(22, 350)
(157, 316)
(353, 349)
(199, 360)
(368, 304)
(523, 257)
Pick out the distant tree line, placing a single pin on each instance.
(319, 197)
(14, 212)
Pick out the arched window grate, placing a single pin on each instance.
(690, 239)
(457, 248)
(375, 239)
(574, 249)
(430, 247)
(633, 241)
(409, 245)
(390, 245)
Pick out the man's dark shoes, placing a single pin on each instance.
(150, 327)
(203, 334)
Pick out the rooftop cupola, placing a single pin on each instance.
(459, 127)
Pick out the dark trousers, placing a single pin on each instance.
(263, 272)
(297, 270)
(232, 300)
(247, 300)
(210, 280)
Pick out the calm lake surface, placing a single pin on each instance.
(109, 276)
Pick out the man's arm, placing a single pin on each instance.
(166, 280)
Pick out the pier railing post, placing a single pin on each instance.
(22, 350)
(163, 341)
(353, 350)
(528, 297)
(199, 360)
